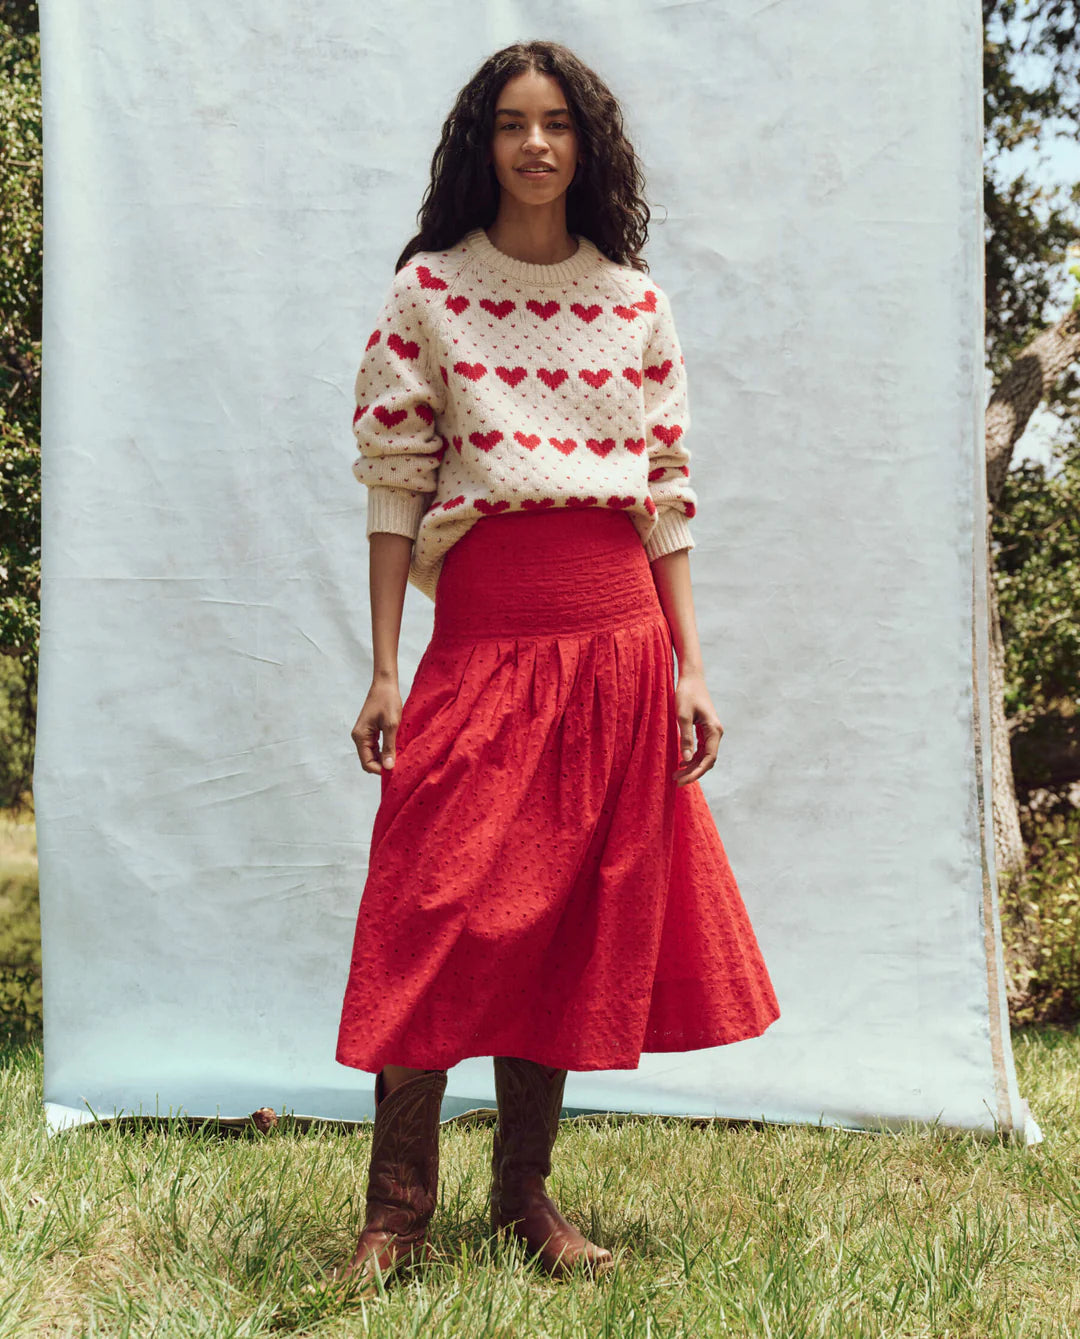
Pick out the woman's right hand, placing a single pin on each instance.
(381, 713)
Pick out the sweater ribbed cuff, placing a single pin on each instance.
(394, 511)
(670, 534)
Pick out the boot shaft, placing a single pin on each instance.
(529, 1098)
(403, 1173)
(530, 1101)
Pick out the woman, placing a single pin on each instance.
(546, 883)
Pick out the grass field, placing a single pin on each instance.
(20, 927)
(786, 1232)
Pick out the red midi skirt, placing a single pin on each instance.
(538, 885)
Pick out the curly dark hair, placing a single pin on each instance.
(604, 201)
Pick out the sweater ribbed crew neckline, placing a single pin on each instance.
(582, 262)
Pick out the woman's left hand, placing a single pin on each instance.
(695, 711)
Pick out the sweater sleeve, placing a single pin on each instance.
(667, 420)
(398, 398)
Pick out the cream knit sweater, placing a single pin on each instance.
(492, 384)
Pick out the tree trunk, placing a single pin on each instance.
(1033, 374)
(1010, 852)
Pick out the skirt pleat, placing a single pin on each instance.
(538, 886)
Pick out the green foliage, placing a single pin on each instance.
(21, 16)
(20, 540)
(18, 709)
(20, 929)
(1040, 918)
(1028, 227)
(20, 343)
(20, 1000)
(1036, 540)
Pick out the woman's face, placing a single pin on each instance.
(533, 128)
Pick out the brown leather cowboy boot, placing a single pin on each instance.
(403, 1180)
(529, 1098)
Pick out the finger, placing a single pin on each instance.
(388, 748)
(686, 750)
(690, 771)
(686, 738)
(691, 749)
(366, 746)
(705, 756)
(698, 767)
(710, 741)
(685, 770)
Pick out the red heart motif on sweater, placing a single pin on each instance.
(552, 377)
(511, 375)
(485, 440)
(596, 378)
(457, 305)
(600, 448)
(621, 501)
(528, 503)
(635, 445)
(689, 508)
(454, 502)
(650, 505)
(659, 371)
(425, 412)
(490, 508)
(587, 314)
(565, 446)
(358, 413)
(374, 338)
(429, 280)
(632, 374)
(389, 418)
(669, 436)
(442, 449)
(474, 371)
(581, 502)
(658, 473)
(499, 309)
(545, 310)
(529, 440)
(457, 444)
(648, 302)
(627, 313)
(446, 379)
(399, 346)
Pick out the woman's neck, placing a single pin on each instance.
(534, 241)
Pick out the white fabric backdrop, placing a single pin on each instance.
(227, 189)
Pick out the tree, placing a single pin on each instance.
(1033, 358)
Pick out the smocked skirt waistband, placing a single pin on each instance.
(544, 574)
